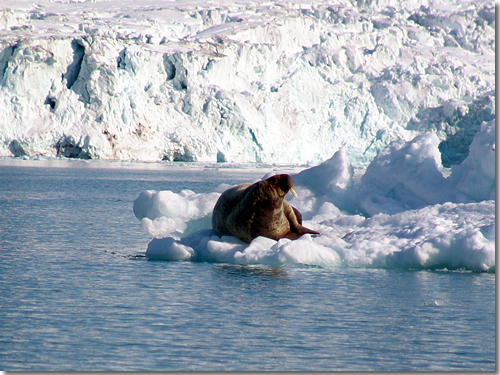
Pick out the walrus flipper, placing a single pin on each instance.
(295, 219)
(298, 215)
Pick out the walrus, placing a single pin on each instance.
(251, 210)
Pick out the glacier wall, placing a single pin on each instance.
(240, 81)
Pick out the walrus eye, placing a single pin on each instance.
(294, 193)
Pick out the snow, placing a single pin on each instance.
(475, 177)
(165, 213)
(404, 173)
(240, 81)
(402, 213)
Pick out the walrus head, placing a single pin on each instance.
(282, 184)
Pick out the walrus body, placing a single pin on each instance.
(251, 210)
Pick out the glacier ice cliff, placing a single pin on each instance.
(241, 81)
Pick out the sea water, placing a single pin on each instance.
(78, 294)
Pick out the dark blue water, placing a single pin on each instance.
(77, 295)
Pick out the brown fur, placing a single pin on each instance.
(251, 210)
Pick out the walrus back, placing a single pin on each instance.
(224, 210)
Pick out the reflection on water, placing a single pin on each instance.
(263, 273)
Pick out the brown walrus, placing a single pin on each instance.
(251, 210)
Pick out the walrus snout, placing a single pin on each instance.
(285, 183)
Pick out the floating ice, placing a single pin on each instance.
(449, 236)
(418, 222)
(261, 250)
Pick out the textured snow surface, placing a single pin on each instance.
(242, 81)
(402, 213)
